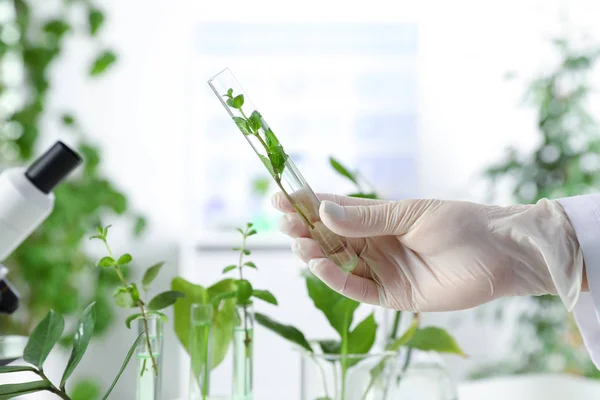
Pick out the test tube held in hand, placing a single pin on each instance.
(281, 167)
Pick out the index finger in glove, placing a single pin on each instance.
(280, 201)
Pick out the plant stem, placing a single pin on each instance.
(344, 353)
(206, 366)
(395, 327)
(240, 267)
(53, 389)
(140, 305)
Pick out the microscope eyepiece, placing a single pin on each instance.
(52, 167)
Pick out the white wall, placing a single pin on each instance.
(468, 113)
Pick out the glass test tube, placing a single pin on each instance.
(149, 379)
(201, 320)
(290, 181)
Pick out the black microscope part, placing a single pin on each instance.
(52, 167)
(9, 298)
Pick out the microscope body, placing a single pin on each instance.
(26, 200)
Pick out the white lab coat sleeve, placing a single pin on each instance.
(584, 214)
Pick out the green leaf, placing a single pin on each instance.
(330, 346)
(267, 164)
(287, 332)
(362, 338)
(131, 318)
(102, 62)
(229, 92)
(252, 232)
(83, 335)
(95, 20)
(135, 293)
(275, 152)
(140, 226)
(86, 389)
(125, 362)
(124, 259)
(435, 339)
(105, 230)
(68, 120)
(364, 195)
(123, 298)
(244, 291)
(250, 264)
(406, 337)
(338, 310)
(106, 262)
(223, 321)
(238, 101)
(11, 390)
(229, 268)
(247, 252)
(223, 316)
(194, 294)
(150, 274)
(265, 295)
(57, 27)
(15, 368)
(43, 338)
(164, 299)
(255, 121)
(243, 125)
(222, 296)
(340, 169)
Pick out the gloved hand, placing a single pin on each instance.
(433, 255)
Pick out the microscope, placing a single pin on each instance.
(26, 200)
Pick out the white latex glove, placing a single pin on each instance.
(433, 255)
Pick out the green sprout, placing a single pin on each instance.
(276, 157)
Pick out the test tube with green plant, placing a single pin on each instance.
(281, 167)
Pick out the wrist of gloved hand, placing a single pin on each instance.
(545, 246)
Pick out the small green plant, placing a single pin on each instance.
(275, 160)
(224, 296)
(128, 295)
(41, 342)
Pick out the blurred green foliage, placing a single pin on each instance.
(565, 162)
(52, 269)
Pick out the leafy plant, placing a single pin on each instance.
(128, 295)
(41, 342)
(564, 163)
(275, 158)
(224, 295)
(49, 265)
